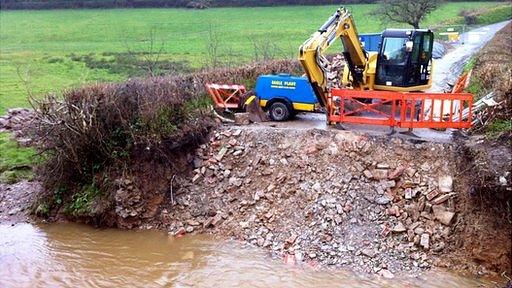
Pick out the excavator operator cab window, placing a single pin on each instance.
(404, 58)
(426, 47)
(394, 50)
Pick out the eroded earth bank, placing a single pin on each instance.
(336, 198)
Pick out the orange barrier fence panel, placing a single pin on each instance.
(226, 96)
(369, 107)
(406, 110)
(462, 83)
(435, 110)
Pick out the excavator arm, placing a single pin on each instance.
(339, 25)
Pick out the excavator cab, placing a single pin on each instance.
(404, 61)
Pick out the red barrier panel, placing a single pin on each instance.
(397, 109)
(462, 83)
(226, 96)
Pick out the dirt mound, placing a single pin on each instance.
(334, 198)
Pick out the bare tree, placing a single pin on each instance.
(150, 55)
(406, 11)
(153, 53)
(265, 50)
(212, 48)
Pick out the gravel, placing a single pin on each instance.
(330, 198)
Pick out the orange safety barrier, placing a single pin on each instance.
(462, 83)
(397, 109)
(226, 96)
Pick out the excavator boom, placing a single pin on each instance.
(339, 25)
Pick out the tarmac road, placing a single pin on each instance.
(449, 68)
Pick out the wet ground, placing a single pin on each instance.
(317, 121)
(16, 200)
(448, 68)
(73, 255)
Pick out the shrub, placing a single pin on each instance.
(96, 126)
(470, 16)
(494, 15)
(95, 135)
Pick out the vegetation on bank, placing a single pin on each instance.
(491, 72)
(46, 51)
(15, 161)
(471, 17)
(99, 135)
(497, 14)
(98, 130)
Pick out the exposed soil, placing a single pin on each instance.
(16, 201)
(485, 234)
(332, 198)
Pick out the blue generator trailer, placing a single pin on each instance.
(284, 95)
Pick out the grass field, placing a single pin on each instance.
(15, 161)
(44, 51)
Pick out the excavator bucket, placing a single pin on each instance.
(251, 104)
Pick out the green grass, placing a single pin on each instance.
(476, 86)
(36, 46)
(82, 201)
(15, 161)
(497, 127)
(497, 14)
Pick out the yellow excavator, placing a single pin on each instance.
(403, 64)
(377, 88)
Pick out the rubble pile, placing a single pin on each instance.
(335, 72)
(18, 121)
(333, 198)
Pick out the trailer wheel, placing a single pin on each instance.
(279, 111)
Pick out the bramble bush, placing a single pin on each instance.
(98, 132)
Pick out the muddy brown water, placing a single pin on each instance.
(73, 255)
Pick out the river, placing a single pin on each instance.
(74, 255)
